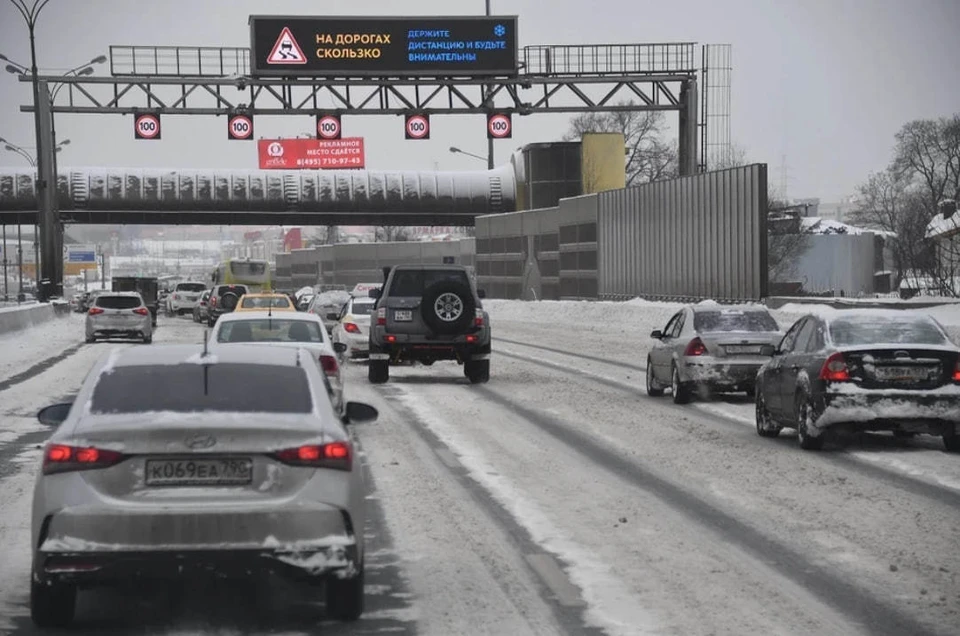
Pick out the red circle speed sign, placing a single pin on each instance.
(328, 127)
(418, 127)
(240, 127)
(147, 126)
(499, 126)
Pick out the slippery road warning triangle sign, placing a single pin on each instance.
(286, 50)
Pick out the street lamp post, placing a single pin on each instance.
(49, 220)
(457, 151)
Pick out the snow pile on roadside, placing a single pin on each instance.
(642, 316)
(22, 349)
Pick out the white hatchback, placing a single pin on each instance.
(353, 327)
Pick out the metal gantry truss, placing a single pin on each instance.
(523, 95)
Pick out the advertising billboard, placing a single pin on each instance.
(335, 46)
(311, 154)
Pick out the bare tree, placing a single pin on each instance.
(649, 157)
(787, 240)
(392, 233)
(928, 156)
(734, 157)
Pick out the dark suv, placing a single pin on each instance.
(223, 300)
(426, 313)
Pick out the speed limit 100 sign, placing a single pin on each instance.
(328, 127)
(417, 127)
(240, 127)
(499, 126)
(147, 126)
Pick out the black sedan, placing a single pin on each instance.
(862, 370)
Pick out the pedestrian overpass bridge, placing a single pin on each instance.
(263, 197)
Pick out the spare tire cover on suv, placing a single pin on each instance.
(229, 301)
(448, 307)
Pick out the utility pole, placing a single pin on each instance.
(489, 139)
(6, 282)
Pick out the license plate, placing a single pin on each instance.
(403, 316)
(901, 373)
(742, 348)
(226, 471)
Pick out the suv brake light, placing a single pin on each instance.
(835, 369)
(382, 316)
(59, 458)
(349, 327)
(143, 311)
(329, 365)
(478, 321)
(336, 455)
(94, 311)
(956, 372)
(213, 301)
(695, 348)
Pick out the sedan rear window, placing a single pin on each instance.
(260, 302)
(413, 282)
(734, 320)
(118, 302)
(361, 309)
(270, 330)
(191, 287)
(866, 330)
(186, 388)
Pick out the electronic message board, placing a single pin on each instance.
(336, 46)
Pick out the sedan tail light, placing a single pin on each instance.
(382, 316)
(349, 327)
(835, 369)
(329, 365)
(143, 311)
(59, 458)
(94, 311)
(695, 348)
(336, 455)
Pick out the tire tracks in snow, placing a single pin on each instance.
(863, 609)
(39, 368)
(893, 476)
(563, 598)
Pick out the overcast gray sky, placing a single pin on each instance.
(825, 83)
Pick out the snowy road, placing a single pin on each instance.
(560, 499)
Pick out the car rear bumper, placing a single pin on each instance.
(297, 563)
(419, 349)
(358, 344)
(907, 411)
(722, 373)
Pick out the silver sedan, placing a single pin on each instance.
(711, 347)
(238, 465)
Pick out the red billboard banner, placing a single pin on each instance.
(311, 154)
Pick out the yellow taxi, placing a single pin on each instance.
(263, 302)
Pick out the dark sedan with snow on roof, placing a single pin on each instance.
(861, 370)
(711, 347)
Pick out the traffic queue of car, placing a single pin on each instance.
(241, 466)
(826, 376)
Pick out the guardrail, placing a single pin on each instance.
(14, 319)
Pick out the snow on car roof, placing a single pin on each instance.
(167, 354)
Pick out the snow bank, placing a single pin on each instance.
(21, 349)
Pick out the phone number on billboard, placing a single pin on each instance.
(331, 161)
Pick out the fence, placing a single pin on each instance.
(696, 237)
(349, 264)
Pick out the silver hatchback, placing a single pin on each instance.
(179, 461)
(119, 315)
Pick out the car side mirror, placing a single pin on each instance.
(55, 414)
(333, 316)
(374, 293)
(359, 412)
(656, 334)
(769, 350)
(481, 294)
(340, 347)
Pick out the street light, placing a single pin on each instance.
(23, 152)
(457, 151)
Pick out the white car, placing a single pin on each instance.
(184, 298)
(284, 329)
(353, 327)
(119, 315)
